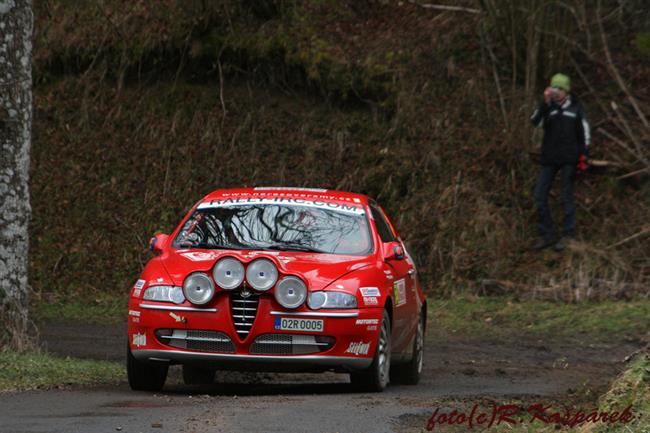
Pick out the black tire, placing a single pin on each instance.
(193, 375)
(409, 373)
(144, 376)
(376, 377)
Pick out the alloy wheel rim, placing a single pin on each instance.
(419, 346)
(383, 355)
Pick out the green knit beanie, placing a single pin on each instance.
(561, 81)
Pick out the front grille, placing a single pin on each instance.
(205, 341)
(243, 312)
(290, 344)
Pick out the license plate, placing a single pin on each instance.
(291, 324)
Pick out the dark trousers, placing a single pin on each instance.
(544, 182)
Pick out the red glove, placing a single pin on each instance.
(582, 163)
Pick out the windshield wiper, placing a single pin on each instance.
(293, 247)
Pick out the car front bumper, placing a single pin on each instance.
(238, 362)
(351, 329)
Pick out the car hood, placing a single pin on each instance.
(317, 269)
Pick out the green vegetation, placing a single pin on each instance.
(642, 43)
(497, 316)
(19, 372)
(102, 309)
(632, 387)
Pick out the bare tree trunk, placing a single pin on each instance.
(16, 21)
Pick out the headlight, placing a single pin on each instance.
(228, 273)
(198, 288)
(319, 300)
(291, 292)
(164, 294)
(261, 274)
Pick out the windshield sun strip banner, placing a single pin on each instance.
(351, 208)
(283, 188)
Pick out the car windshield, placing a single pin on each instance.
(320, 229)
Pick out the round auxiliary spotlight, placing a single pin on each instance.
(198, 288)
(291, 292)
(261, 274)
(228, 273)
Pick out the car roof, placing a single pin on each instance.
(289, 192)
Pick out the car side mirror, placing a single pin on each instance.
(393, 251)
(158, 242)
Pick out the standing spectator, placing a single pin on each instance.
(564, 149)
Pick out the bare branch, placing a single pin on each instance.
(628, 130)
(223, 103)
(634, 173)
(448, 8)
(637, 235)
(614, 70)
(621, 143)
(495, 74)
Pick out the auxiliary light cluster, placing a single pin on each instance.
(260, 274)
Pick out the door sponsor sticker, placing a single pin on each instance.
(399, 292)
(292, 324)
(358, 348)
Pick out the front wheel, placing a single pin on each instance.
(144, 376)
(409, 374)
(376, 377)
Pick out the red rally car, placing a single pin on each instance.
(278, 279)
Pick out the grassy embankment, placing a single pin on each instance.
(630, 390)
(25, 371)
(632, 387)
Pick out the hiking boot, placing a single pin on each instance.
(563, 243)
(542, 243)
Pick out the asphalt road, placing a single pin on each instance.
(458, 372)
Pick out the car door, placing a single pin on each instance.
(399, 279)
(412, 305)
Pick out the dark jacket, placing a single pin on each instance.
(566, 131)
